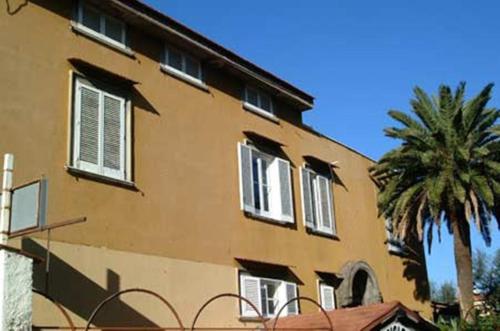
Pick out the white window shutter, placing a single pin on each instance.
(325, 203)
(246, 180)
(114, 136)
(250, 289)
(87, 128)
(285, 190)
(307, 209)
(327, 296)
(291, 292)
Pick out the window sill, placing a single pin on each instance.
(322, 233)
(256, 110)
(100, 178)
(184, 77)
(252, 319)
(254, 215)
(79, 28)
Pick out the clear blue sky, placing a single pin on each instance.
(360, 59)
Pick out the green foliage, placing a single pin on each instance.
(482, 323)
(447, 166)
(486, 271)
(446, 293)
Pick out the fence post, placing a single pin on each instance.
(16, 268)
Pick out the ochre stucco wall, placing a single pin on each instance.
(186, 206)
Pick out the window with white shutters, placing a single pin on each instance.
(317, 201)
(99, 131)
(265, 184)
(267, 295)
(327, 296)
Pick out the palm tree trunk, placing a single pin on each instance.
(463, 263)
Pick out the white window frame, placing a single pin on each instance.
(257, 108)
(321, 286)
(182, 74)
(100, 35)
(280, 297)
(274, 186)
(123, 174)
(318, 215)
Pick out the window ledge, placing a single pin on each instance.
(269, 219)
(184, 77)
(261, 112)
(101, 178)
(252, 319)
(83, 30)
(322, 233)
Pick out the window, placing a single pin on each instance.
(394, 244)
(94, 22)
(268, 296)
(182, 65)
(99, 131)
(326, 296)
(265, 187)
(317, 202)
(258, 101)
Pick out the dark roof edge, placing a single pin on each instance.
(165, 22)
(312, 130)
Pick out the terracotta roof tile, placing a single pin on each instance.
(347, 319)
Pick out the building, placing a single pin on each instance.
(193, 168)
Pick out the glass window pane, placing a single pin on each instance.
(252, 97)
(193, 67)
(174, 59)
(91, 18)
(265, 102)
(256, 185)
(114, 29)
(265, 186)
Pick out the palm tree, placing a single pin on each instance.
(446, 170)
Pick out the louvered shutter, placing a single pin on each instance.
(324, 188)
(307, 207)
(246, 181)
(327, 297)
(250, 289)
(285, 190)
(291, 292)
(114, 137)
(87, 128)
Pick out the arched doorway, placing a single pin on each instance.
(359, 286)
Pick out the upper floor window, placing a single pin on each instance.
(182, 65)
(326, 296)
(99, 131)
(267, 295)
(97, 24)
(394, 244)
(317, 201)
(265, 184)
(258, 101)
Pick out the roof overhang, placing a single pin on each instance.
(164, 27)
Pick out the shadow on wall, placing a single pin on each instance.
(80, 295)
(415, 268)
(15, 6)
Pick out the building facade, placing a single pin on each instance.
(193, 169)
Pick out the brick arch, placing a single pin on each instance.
(359, 285)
